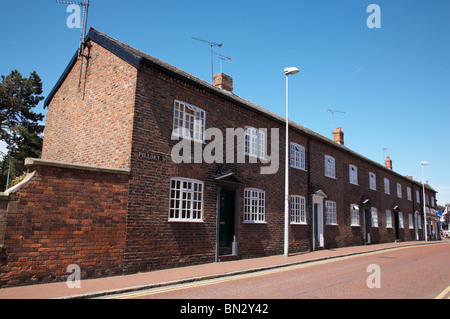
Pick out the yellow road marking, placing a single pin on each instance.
(442, 294)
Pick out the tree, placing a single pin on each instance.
(20, 126)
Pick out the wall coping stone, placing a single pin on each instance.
(33, 162)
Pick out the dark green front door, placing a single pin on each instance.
(397, 226)
(226, 227)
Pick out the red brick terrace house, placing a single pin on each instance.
(108, 195)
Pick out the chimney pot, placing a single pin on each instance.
(339, 136)
(388, 163)
(223, 81)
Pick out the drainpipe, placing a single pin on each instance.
(309, 197)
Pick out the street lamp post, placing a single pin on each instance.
(287, 71)
(424, 211)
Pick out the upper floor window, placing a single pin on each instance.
(409, 193)
(399, 190)
(297, 156)
(373, 181)
(387, 186)
(432, 201)
(186, 200)
(255, 142)
(417, 196)
(188, 121)
(330, 166)
(353, 174)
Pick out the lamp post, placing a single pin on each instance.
(287, 71)
(424, 211)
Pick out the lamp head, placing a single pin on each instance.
(291, 71)
(424, 163)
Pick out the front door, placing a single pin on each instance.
(226, 222)
(318, 236)
(397, 226)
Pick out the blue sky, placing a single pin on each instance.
(393, 83)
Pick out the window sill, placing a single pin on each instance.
(252, 222)
(256, 156)
(175, 137)
(185, 221)
(299, 168)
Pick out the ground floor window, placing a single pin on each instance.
(388, 219)
(411, 221)
(400, 219)
(298, 210)
(330, 213)
(186, 200)
(354, 215)
(254, 205)
(374, 212)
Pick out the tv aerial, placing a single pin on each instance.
(384, 152)
(223, 58)
(85, 6)
(332, 117)
(212, 45)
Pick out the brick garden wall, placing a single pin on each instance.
(64, 216)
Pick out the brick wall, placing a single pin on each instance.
(64, 216)
(93, 124)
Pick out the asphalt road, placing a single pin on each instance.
(419, 272)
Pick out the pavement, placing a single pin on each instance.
(91, 288)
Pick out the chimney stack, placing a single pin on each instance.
(223, 81)
(388, 163)
(339, 136)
